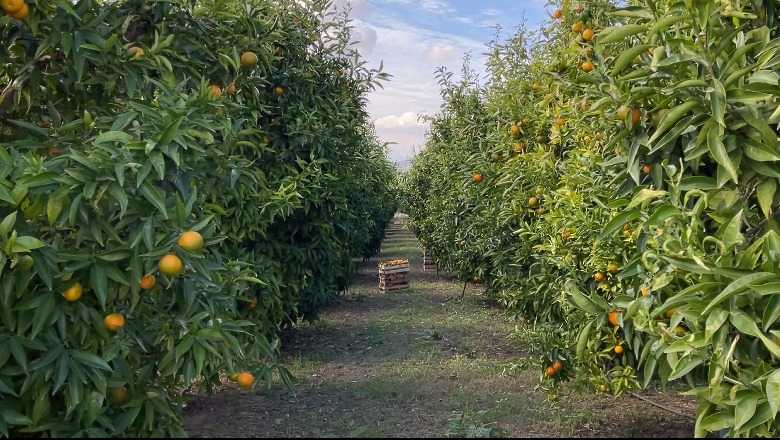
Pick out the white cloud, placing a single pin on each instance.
(440, 52)
(365, 36)
(408, 119)
(413, 85)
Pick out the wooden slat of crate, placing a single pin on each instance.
(395, 287)
(395, 270)
(393, 277)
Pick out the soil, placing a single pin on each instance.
(420, 362)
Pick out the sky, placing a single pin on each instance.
(415, 37)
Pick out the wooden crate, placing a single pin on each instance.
(394, 276)
(428, 263)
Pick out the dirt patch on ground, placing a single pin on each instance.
(418, 363)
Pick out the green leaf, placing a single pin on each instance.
(617, 222)
(672, 117)
(583, 338)
(685, 365)
(581, 300)
(112, 136)
(744, 411)
(89, 359)
(718, 421)
(718, 100)
(170, 132)
(766, 194)
(715, 321)
(738, 286)
(627, 57)
(154, 197)
(771, 311)
(773, 391)
(6, 226)
(664, 24)
(719, 153)
(43, 315)
(617, 33)
(645, 195)
(13, 417)
(662, 213)
(99, 283)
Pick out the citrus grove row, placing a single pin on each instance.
(178, 181)
(614, 183)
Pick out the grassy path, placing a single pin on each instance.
(405, 364)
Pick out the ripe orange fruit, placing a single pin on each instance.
(231, 89)
(636, 116)
(586, 139)
(248, 60)
(558, 14)
(21, 13)
(191, 240)
(669, 313)
(644, 291)
(170, 265)
(533, 201)
(560, 122)
(215, 91)
(114, 321)
(618, 349)
(536, 86)
(680, 330)
(73, 293)
(566, 234)
(576, 27)
(253, 303)
(646, 169)
(278, 90)
(514, 129)
(550, 371)
(245, 380)
(148, 282)
(599, 276)
(496, 157)
(477, 178)
(120, 395)
(612, 267)
(519, 148)
(557, 366)
(526, 120)
(613, 318)
(587, 66)
(11, 6)
(588, 34)
(54, 150)
(136, 51)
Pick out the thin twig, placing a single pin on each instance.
(671, 410)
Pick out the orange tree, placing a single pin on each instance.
(176, 182)
(646, 138)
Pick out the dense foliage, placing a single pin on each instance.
(614, 184)
(123, 125)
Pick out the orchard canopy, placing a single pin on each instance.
(178, 180)
(614, 183)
